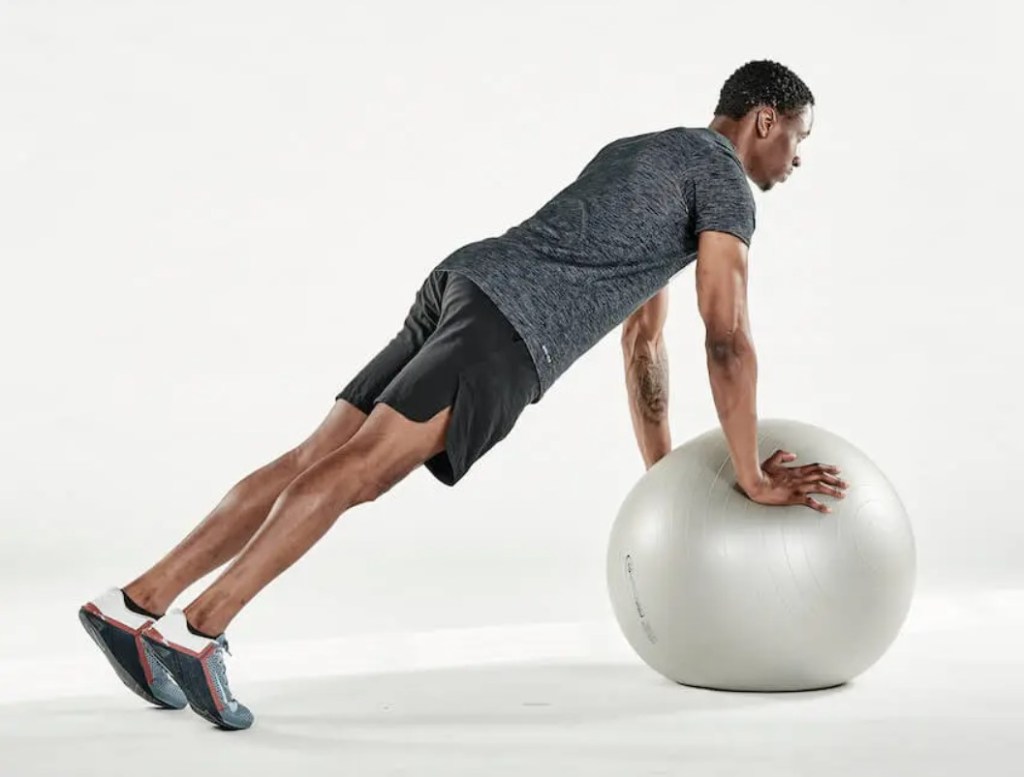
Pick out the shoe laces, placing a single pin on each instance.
(218, 659)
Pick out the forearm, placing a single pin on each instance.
(733, 373)
(646, 363)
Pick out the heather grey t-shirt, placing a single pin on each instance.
(609, 241)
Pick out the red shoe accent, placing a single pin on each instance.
(209, 684)
(136, 633)
(154, 633)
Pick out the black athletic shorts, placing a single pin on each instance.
(455, 348)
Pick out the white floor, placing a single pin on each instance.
(947, 699)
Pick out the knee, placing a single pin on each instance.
(375, 487)
(373, 482)
(370, 477)
(345, 479)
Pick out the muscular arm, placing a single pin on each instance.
(646, 362)
(732, 360)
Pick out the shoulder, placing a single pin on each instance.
(716, 172)
(718, 194)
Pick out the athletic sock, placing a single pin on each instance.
(131, 605)
(197, 632)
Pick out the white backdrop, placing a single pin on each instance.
(214, 213)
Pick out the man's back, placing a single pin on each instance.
(609, 240)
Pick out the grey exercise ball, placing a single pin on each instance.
(716, 591)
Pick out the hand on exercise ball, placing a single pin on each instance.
(781, 485)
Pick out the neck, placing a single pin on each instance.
(732, 129)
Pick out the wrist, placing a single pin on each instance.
(651, 459)
(751, 484)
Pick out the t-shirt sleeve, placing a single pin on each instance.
(722, 200)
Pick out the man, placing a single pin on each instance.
(490, 330)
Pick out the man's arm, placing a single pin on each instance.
(732, 361)
(646, 361)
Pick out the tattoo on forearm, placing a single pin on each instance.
(651, 377)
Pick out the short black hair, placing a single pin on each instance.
(763, 82)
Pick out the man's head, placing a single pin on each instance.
(765, 110)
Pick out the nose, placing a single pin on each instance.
(796, 161)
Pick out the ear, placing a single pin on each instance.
(767, 118)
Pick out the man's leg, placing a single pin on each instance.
(386, 448)
(232, 523)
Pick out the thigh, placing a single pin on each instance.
(392, 445)
(470, 331)
(477, 367)
(420, 323)
(386, 448)
(341, 423)
(489, 397)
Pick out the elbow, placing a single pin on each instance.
(632, 336)
(628, 337)
(721, 349)
(725, 350)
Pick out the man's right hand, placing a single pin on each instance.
(780, 485)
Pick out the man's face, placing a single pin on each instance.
(778, 141)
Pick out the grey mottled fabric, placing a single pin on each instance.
(610, 240)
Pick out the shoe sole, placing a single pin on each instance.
(94, 625)
(170, 661)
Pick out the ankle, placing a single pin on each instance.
(200, 632)
(143, 603)
(155, 590)
(204, 624)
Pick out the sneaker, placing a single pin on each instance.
(197, 665)
(116, 631)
